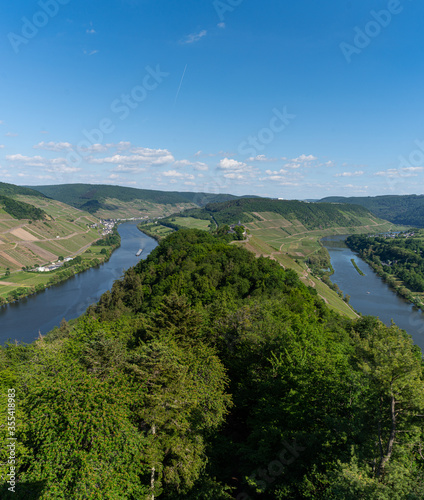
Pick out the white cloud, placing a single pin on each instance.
(283, 177)
(301, 161)
(412, 169)
(90, 52)
(91, 31)
(229, 164)
(233, 175)
(196, 165)
(140, 156)
(275, 172)
(194, 37)
(304, 158)
(128, 169)
(356, 189)
(1, 146)
(350, 174)
(5, 173)
(221, 25)
(57, 165)
(97, 148)
(122, 146)
(236, 169)
(261, 158)
(402, 172)
(175, 173)
(292, 165)
(11, 134)
(53, 146)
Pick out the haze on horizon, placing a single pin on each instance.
(228, 96)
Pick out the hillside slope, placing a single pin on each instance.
(402, 209)
(310, 215)
(12, 190)
(118, 202)
(35, 231)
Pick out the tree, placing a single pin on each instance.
(393, 366)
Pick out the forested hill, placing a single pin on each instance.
(208, 374)
(402, 209)
(12, 190)
(16, 208)
(93, 197)
(21, 210)
(310, 215)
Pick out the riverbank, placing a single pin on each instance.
(155, 231)
(396, 285)
(25, 283)
(398, 265)
(369, 294)
(24, 319)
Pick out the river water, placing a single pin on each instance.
(24, 320)
(369, 294)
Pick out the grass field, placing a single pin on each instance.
(191, 223)
(156, 231)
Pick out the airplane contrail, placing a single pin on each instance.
(181, 82)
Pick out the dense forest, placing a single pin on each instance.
(399, 209)
(21, 210)
(401, 256)
(12, 190)
(311, 215)
(208, 374)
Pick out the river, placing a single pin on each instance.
(369, 294)
(43, 311)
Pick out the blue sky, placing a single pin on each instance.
(297, 99)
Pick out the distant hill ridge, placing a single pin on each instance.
(93, 197)
(13, 190)
(19, 209)
(399, 209)
(311, 215)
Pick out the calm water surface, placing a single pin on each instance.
(42, 312)
(369, 294)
